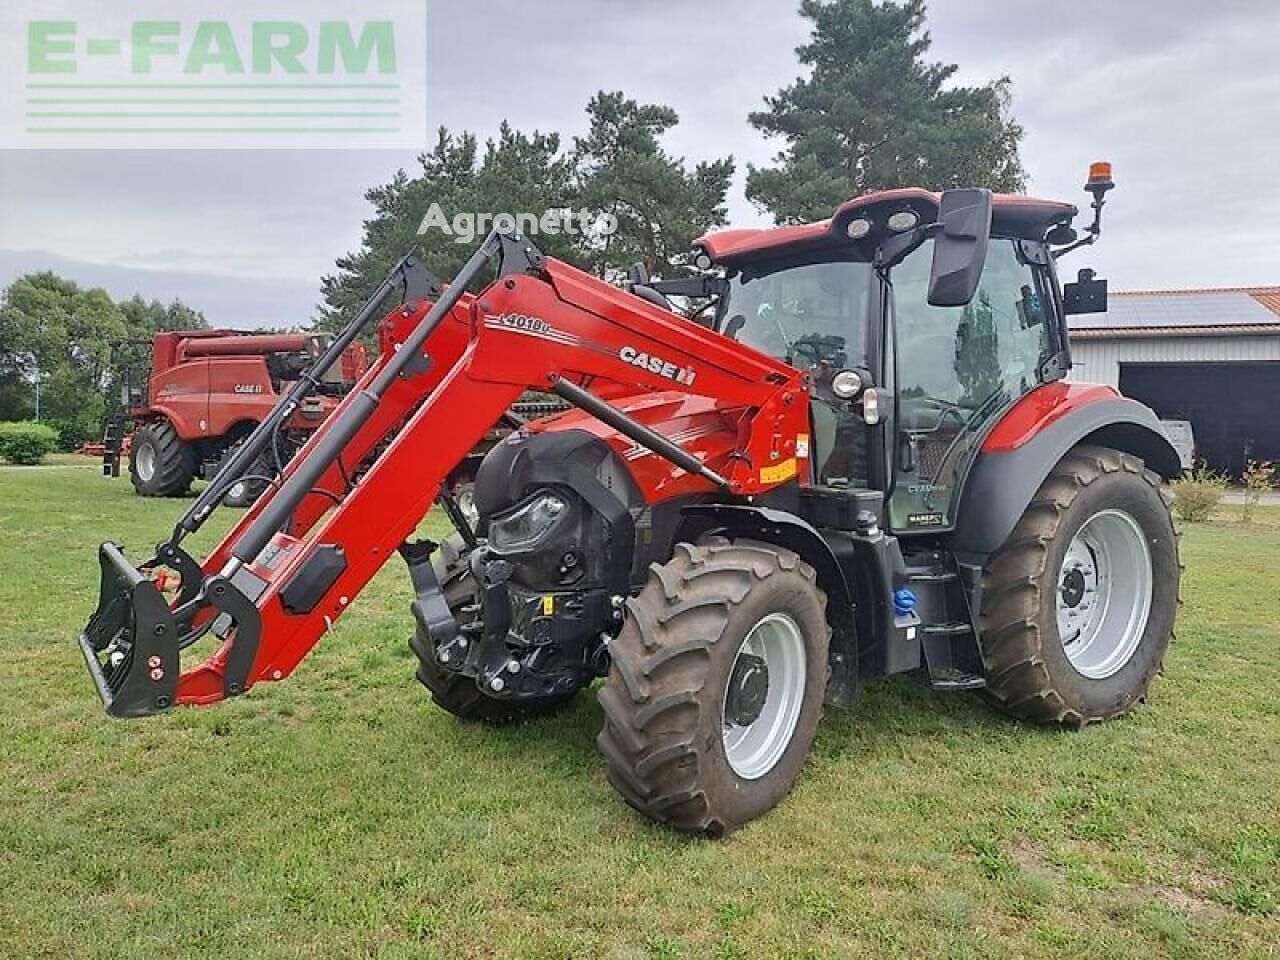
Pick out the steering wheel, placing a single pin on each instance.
(942, 409)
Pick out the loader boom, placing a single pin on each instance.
(446, 374)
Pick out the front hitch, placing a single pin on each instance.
(131, 642)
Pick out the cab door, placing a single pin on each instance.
(955, 370)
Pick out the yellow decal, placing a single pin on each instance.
(548, 605)
(802, 445)
(779, 472)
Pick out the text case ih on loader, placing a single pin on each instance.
(206, 391)
(864, 461)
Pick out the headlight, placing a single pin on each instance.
(527, 524)
(903, 220)
(847, 384)
(857, 229)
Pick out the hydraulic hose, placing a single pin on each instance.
(340, 431)
(264, 433)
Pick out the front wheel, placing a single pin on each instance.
(716, 685)
(1079, 605)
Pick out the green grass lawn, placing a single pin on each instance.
(341, 814)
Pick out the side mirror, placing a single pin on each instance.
(960, 246)
(1087, 295)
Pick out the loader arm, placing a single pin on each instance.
(354, 495)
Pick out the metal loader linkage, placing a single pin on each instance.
(269, 592)
(132, 642)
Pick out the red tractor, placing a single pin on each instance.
(860, 459)
(207, 391)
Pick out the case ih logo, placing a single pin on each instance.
(655, 364)
(248, 388)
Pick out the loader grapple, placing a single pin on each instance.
(130, 642)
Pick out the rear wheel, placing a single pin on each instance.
(244, 492)
(1079, 605)
(452, 691)
(716, 685)
(161, 464)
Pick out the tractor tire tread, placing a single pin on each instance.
(653, 700)
(175, 461)
(1018, 680)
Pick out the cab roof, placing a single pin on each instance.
(1012, 215)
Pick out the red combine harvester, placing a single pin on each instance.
(206, 392)
(860, 459)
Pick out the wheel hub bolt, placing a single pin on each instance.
(497, 684)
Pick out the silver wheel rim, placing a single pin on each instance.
(1104, 594)
(755, 748)
(144, 461)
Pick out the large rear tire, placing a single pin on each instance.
(1079, 605)
(454, 692)
(161, 464)
(716, 685)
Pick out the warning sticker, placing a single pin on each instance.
(779, 472)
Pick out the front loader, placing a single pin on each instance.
(859, 458)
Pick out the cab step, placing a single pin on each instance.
(957, 682)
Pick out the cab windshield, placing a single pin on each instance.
(806, 314)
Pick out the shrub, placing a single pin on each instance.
(1258, 479)
(74, 432)
(1196, 496)
(27, 443)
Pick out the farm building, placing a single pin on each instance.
(1211, 357)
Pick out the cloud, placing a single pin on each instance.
(1186, 104)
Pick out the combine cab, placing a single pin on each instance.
(860, 459)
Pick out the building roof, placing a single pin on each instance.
(1229, 311)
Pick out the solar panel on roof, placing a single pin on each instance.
(1191, 309)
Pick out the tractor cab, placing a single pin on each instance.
(923, 319)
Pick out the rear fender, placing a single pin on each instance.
(184, 424)
(789, 531)
(1028, 443)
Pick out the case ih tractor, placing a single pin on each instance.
(206, 392)
(860, 460)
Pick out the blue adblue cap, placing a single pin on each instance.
(904, 601)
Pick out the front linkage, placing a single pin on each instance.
(134, 638)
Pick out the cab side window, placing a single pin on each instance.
(957, 369)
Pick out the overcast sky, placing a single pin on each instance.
(1182, 95)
